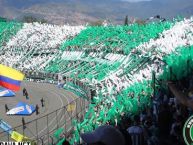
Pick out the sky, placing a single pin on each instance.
(135, 0)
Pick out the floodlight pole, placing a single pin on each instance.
(171, 73)
(37, 129)
(188, 65)
(153, 78)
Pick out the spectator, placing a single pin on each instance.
(23, 123)
(66, 143)
(42, 102)
(59, 83)
(6, 108)
(104, 135)
(25, 93)
(165, 99)
(136, 132)
(37, 109)
(123, 126)
(176, 128)
(164, 121)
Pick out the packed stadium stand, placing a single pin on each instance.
(122, 63)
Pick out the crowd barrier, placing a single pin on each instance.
(54, 78)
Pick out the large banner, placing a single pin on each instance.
(6, 93)
(22, 109)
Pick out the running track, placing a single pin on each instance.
(54, 98)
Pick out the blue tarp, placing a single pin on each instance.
(22, 109)
(6, 127)
(6, 93)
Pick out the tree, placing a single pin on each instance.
(3, 19)
(126, 21)
(140, 22)
(96, 23)
(30, 19)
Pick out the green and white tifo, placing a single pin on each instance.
(117, 61)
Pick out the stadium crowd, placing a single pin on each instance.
(35, 41)
(161, 124)
(120, 67)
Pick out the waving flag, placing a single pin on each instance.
(10, 78)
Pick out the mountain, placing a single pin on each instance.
(82, 11)
(1, 6)
(28, 3)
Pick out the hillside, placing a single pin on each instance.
(83, 11)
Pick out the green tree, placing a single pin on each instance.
(96, 23)
(140, 22)
(3, 19)
(126, 21)
(30, 19)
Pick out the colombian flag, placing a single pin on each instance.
(10, 78)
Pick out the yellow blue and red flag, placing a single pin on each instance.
(10, 78)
